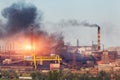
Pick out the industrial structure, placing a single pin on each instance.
(99, 39)
(25, 46)
(63, 56)
(9, 55)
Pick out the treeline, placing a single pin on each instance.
(59, 75)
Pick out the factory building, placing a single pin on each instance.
(105, 57)
(83, 50)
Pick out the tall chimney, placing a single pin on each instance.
(98, 47)
(77, 43)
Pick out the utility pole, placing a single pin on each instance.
(32, 46)
(74, 55)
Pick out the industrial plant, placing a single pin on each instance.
(25, 46)
(40, 51)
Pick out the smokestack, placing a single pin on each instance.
(99, 39)
(74, 56)
(77, 43)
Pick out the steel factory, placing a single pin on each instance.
(24, 46)
(31, 55)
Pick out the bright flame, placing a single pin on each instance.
(41, 46)
(28, 47)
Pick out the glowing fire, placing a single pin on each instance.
(41, 46)
(28, 47)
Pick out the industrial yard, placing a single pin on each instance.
(71, 49)
(57, 56)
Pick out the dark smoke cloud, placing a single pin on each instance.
(89, 25)
(2, 28)
(19, 16)
(65, 23)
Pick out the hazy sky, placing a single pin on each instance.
(105, 13)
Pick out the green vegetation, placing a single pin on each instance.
(38, 76)
(60, 75)
(8, 75)
(64, 75)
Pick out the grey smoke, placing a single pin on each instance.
(65, 23)
(88, 24)
(19, 16)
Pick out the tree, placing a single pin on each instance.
(103, 75)
(7, 75)
(54, 75)
(36, 76)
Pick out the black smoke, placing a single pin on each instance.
(89, 25)
(24, 23)
(19, 17)
(74, 22)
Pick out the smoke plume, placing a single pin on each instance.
(65, 23)
(19, 16)
(89, 25)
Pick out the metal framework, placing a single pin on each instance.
(40, 59)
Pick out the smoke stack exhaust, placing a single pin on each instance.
(84, 23)
(98, 39)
